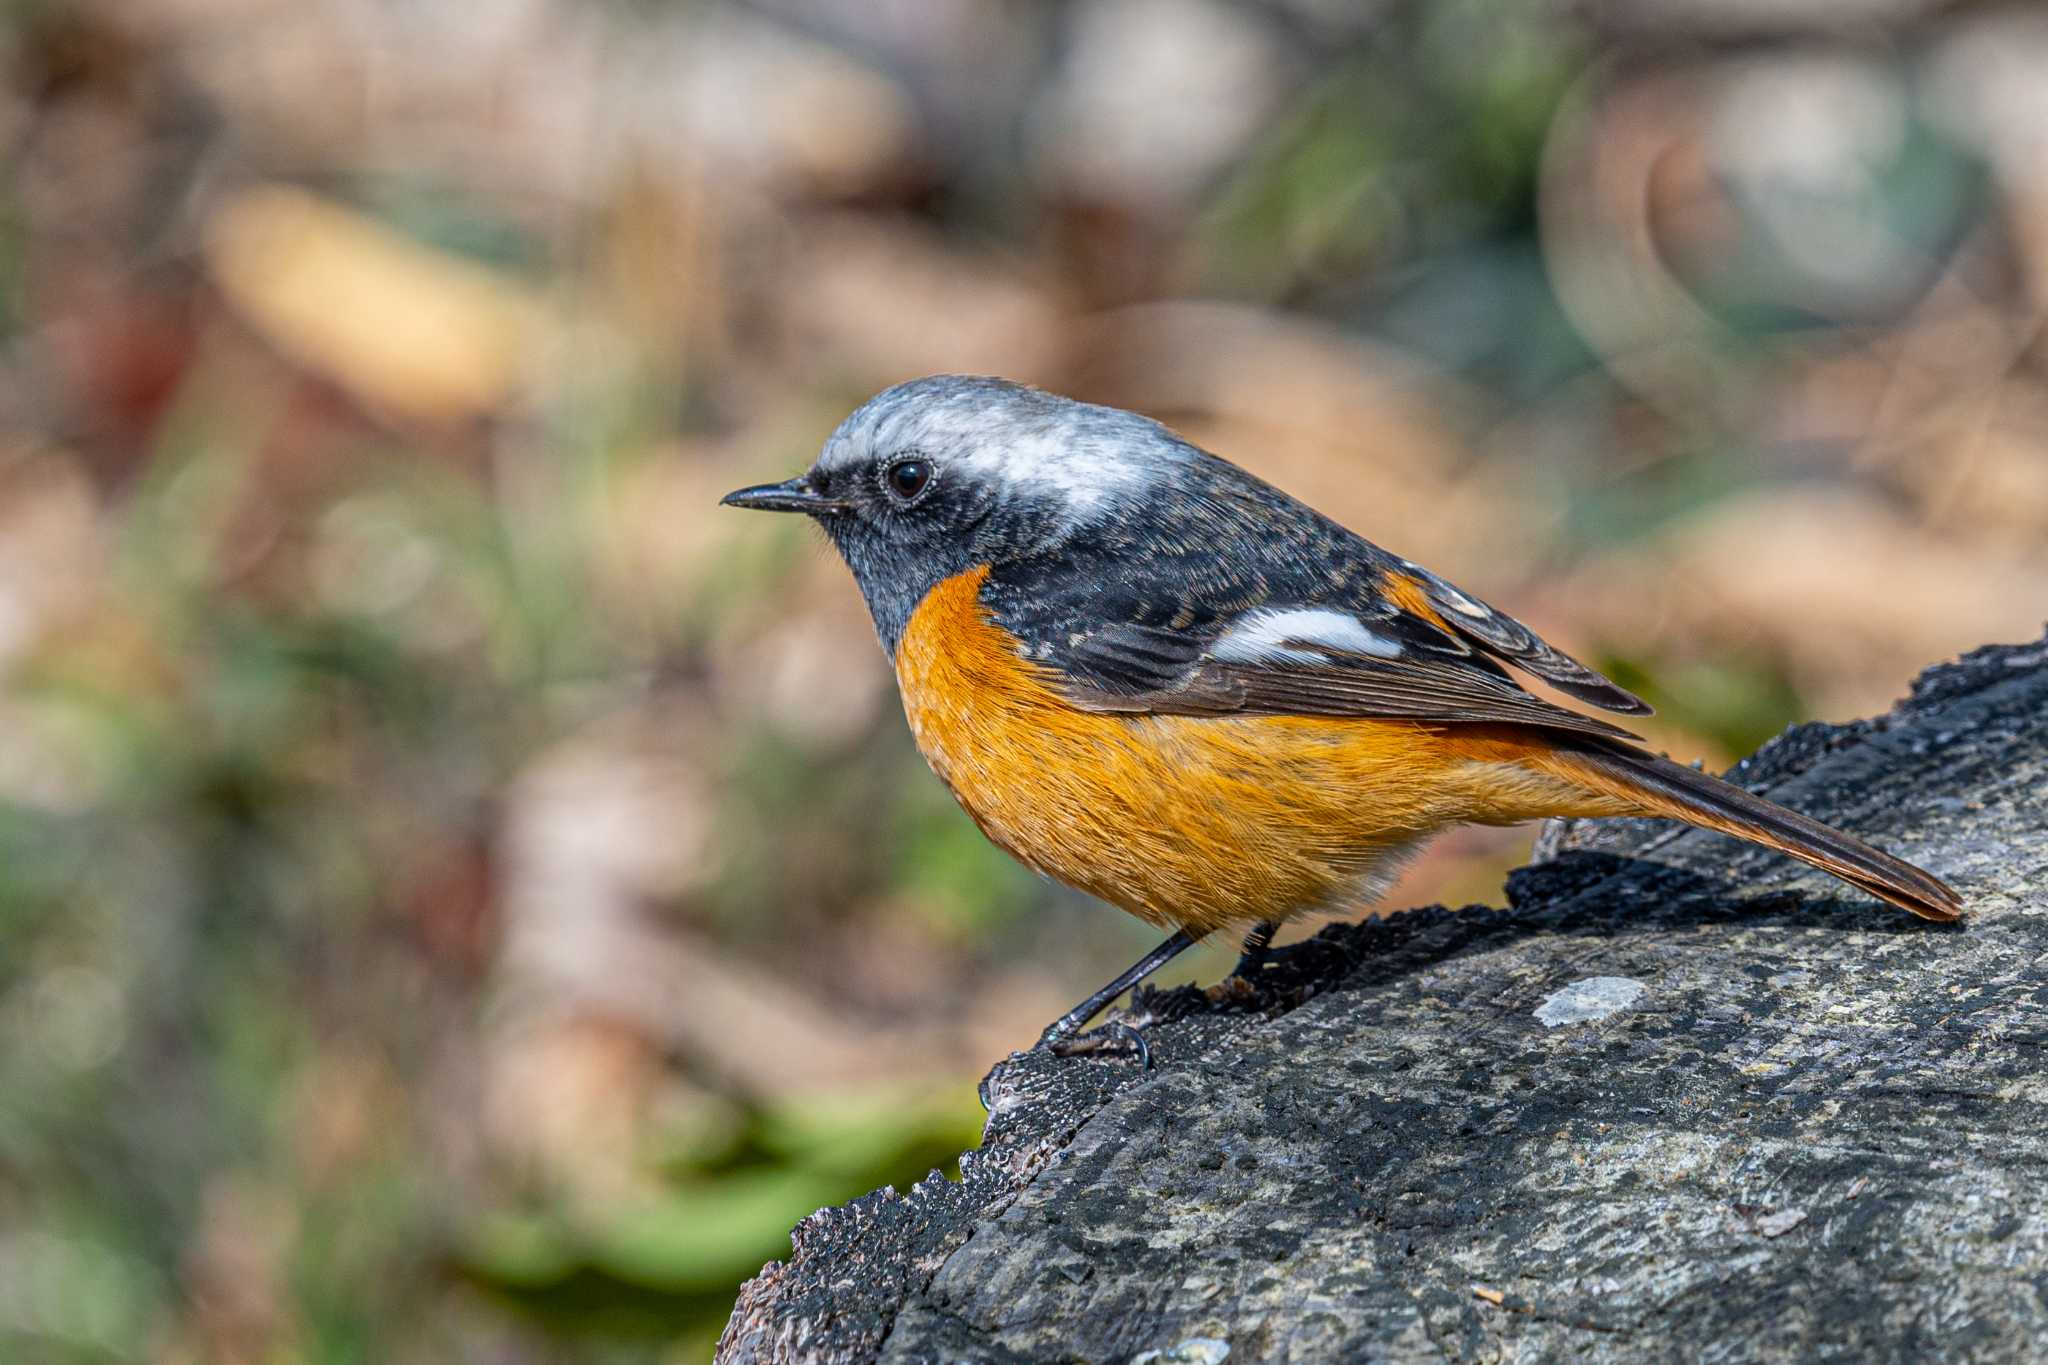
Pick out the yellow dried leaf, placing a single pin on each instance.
(409, 330)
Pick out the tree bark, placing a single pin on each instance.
(1683, 1099)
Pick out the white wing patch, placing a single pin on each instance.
(1299, 635)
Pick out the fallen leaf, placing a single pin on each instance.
(408, 330)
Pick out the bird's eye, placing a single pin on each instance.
(907, 478)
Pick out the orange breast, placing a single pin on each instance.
(1190, 821)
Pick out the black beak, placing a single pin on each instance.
(791, 495)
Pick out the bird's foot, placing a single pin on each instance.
(1116, 1038)
(1063, 1038)
(1264, 982)
(1241, 991)
(1253, 964)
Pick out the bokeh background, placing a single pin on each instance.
(463, 895)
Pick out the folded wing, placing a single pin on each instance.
(1369, 658)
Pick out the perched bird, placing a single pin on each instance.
(1165, 682)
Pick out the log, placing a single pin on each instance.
(1682, 1099)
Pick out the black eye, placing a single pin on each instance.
(907, 478)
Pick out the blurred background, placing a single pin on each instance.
(463, 895)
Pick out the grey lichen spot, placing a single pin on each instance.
(1193, 1351)
(1779, 1223)
(1582, 1002)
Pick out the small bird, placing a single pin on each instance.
(1154, 677)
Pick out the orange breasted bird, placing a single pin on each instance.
(1163, 681)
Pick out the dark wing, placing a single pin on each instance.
(1503, 637)
(1245, 601)
(1147, 670)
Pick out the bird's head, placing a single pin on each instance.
(937, 476)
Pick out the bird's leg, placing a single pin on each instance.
(1259, 952)
(1058, 1034)
(1251, 984)
(1257, 944)
(1062, 1037)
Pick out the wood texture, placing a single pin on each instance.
(1684, 1100)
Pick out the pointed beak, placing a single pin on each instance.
(791, 495)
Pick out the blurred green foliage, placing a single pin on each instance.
(1422, 140)
(634, 1273)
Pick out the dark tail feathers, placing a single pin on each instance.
(1666, 789)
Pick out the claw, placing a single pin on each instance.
(1114, 1036)
(1061, 1037)
(981, 1090)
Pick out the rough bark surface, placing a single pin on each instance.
(1684, 1099)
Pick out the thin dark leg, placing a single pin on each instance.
(1256, 944)
(1151, 962)
(1059, 1036)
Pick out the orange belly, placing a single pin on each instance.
(1194, 821)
